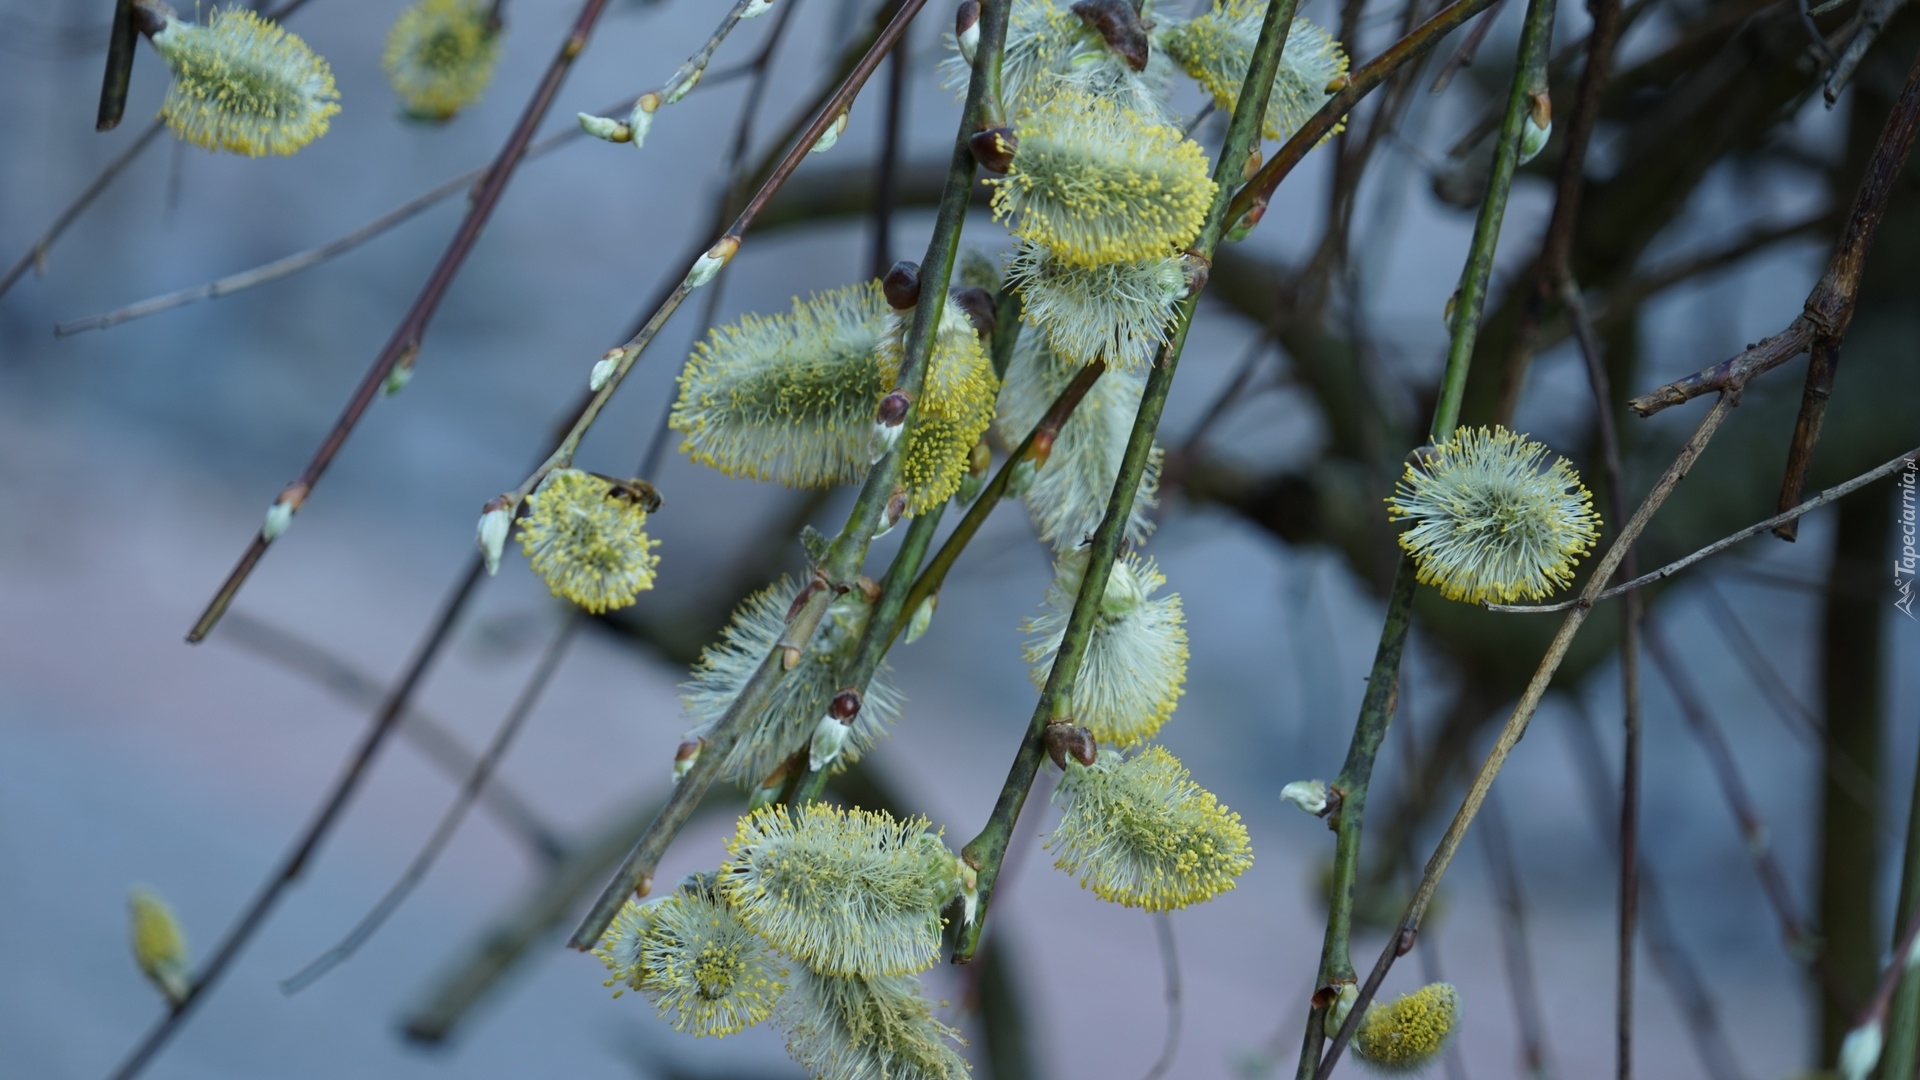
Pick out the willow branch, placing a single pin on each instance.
(850, 547)
(1838, 491)
(36, 253)
(987, 850)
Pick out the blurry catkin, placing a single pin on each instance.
(955, 406)
(1049, 47)
(1135, 667)
(855, 1028)
(159, 945)
(1117, 312)
(440, 56)
(1409, 1034)
(242, 84)
(1140, 832)
(705, 972)
(1217, 47)
(1068, 496)
(1097, 183)
(846, 892)
(1497, 517)
(620, 947)
(788, 397)
(801, 698)
(586, 538)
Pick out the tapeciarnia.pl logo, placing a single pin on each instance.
(1904, 563)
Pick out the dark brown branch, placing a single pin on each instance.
(1830, 308)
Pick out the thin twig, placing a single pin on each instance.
(423, 861)
(1803, 944)
(1836, 492)
(1170, 972)
(1462, 57)
(403, 346)
(1517, 955)
(1832, 312)
(428, 735)
(36, 254)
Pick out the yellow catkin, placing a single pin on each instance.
(586, 537)
(440, 56)
(159, 945)
(1141, 833)
(1096, 183)
(1216, 48)
(954, 410)
(243, 84)
(1409, 1034)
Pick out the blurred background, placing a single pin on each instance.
(137, 460)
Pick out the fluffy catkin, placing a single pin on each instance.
(1141, 833)
(1048, 47)
(1117, 312)
(705, 972)
(1096, 183)
(855, 1028)
(1135, 667)
(440, 56)
(586, 537)
(1409, 1034)
(801, 698)
(954, 410)
(1496, 517)
(243, 84)
(1216, 48)
(846, 892)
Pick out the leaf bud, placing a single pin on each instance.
(755, 9)
(993, 148)
(902, 285)
(1308, 795)
(605, 127)
(1533, 138)
(1119, 24)
(710, 262)
(159, 946)
(496, 520)
(979, 306)
(685, 756)
(921, 618)
(1341, 1006)
(1064, 738)
(603, 369)
(893, 409)
(640, 120)
(979, 459)
(966, 28)
(832, 135)
(845, 705)
(828, 737)
(280, 514)
(1860, 1050)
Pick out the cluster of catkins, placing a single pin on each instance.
(243, 84)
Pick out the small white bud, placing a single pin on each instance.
(710, 261)
(496, 520)
(685, 756)
(830, 136)
(921, 618)
(1308, 795)
(397, 379)
(1342, 1005)
(603, 369)
(882, 439)
(681, 90)
(967, 36)
(280, 514)
(1860, 1050)
(828, 737)
(1124, 590)
(604, 127)
(640, 120)
(1533, 139)
(756, 9)
(969, 891)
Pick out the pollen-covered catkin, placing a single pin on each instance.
(801, 698)
(1409, 1034)
(705, 972)
(1496, 517)
(1117, 312)
(1216, 48)
(586, 537)
(954, 409)
(788, 397)
(1135, 667)
(846, 892)
(1096, 183)
(159, 945)
(243, 84)
(1140, 832)
(1068, 495)
(440, 56)
(619, 948)
(857, 1028)
(1048, 47)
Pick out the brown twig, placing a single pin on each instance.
(1836, 492)
(403, 346)
(1462, 57)
(1830, 308)
(1802, 944)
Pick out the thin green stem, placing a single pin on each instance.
(985, 852)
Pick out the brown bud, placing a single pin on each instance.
(994, 148)
(896, 506)
(845, 706)
(1403, 944)
(893, 409)
(789, 657)
(1540, 106)
(1042, 447)
(1339, 82)
(966, 18)
(979, 306)
(869, 588)
(687, 750)
(902, 285)
(1254, 160)
(1120, 25)
(1325, 996)
(979, 459)
(1065, 737)
(1197, 269)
